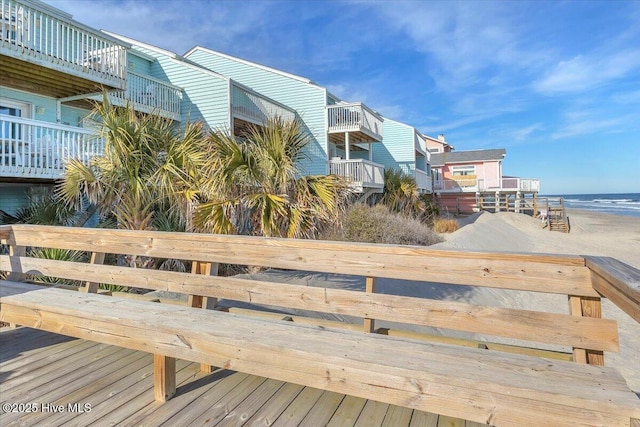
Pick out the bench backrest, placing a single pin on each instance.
(582, 279)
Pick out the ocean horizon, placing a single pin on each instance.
(627, 204)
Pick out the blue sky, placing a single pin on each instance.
(555, 83)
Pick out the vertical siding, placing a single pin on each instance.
(205, 96)
(307, 99)
(397, 149)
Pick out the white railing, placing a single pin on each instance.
(354, 118)
(511, 183)
(252, 107)
(149, 95)
(423, 181)
(362, 173)
(35, 33)
(472, 185)
(34, 149)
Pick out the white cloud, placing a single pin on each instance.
(582, 73)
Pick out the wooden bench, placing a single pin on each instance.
(493, 387)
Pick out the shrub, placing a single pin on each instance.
(445, 225)
(377, 224)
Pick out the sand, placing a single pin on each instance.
(591, 234)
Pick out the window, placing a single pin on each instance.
(463, 170)
(15, 109)
(434, 150)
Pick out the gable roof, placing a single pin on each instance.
(439, 159)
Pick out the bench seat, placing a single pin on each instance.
(475, 384)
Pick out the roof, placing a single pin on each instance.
(439, 159)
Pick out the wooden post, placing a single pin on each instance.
(164, 377)
(370, 284)
(199, 301)
(587, 307)
(92, 287)
(20, 251)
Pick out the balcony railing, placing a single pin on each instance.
(149, 95)
(35, 33)
(361, 173)
(511, 183)
(354, 118)
(473, 185)
(254, 108)
(34, 149)
(423, 181)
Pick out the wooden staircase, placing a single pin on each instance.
(556, 216)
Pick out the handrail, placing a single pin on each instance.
(26, 27)
(360, 171)
(354, 117)
(34, 149)
(618, 282)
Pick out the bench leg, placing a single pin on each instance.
(164, 377)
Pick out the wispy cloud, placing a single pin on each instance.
(582, 73)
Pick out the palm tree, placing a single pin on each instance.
(146, 162)
(401, 194)
(256, 186)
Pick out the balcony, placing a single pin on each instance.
(510, 184)
(148, 95)
(423, 181)
(249, 107)
(362, 174)
(44, 50)
(31, 149)
(362, 124)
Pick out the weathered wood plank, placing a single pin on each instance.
(373, 414)
(244, 410)
(269, 354)
(617, 281)
(348, 412)
(323, 410)
(275, 406)
(600, 334)
(536, 272)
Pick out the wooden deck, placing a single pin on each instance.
(50, 372)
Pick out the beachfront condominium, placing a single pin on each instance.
(55, 69)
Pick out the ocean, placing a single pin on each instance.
(627, 204)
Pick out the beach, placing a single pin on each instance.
(591, 234)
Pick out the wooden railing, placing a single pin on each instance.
(455, 186)
(33, 32)
(255, 108)
(514, 390)
(361, 173)
(423, 180)
(354, 117)
(35, 149)
(149, 95)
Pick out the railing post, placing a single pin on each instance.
(92, 287)
(586, 307)
(199, 301)
(19, 251)
(369, 324)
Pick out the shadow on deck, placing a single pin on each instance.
(66, 381)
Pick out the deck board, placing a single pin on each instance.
(38, 366)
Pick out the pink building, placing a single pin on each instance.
(469, 181)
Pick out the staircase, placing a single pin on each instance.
(556, 216)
